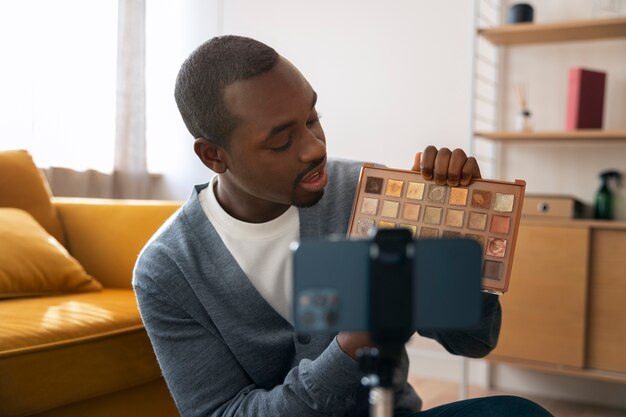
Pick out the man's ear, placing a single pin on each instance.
(211, 155)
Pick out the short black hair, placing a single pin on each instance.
(203, 76)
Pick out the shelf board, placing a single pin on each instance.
(574, 30)
(588, 134)
(596, 374)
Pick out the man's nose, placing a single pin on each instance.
(313, 147)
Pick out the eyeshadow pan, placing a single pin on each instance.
(455, 218)
(458, 196)
(481, 199)
(374, 185)
(432, 215)
(411, 211)
(451, 233)
(500, 224)
(429, 232)
(415, 190)
(492, 269)
(504, 202)
(496, 247)
(477, 221)
(369, 206)
(364, 226)
(436, 193)
(390, 209)
(394, 188)
(412, 228)
(382, 224)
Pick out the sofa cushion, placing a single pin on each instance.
(34, 263)
(23, 186)
(70, 348)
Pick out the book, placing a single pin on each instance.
(585, 99)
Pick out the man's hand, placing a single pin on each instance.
(351, 342)
(446, 167)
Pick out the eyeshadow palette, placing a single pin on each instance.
(486, 211)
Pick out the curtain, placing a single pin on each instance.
(130, 178)
(130, 175)
(67, 182)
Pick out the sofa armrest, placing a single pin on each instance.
(106, 236)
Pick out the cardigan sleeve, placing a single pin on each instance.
(205, 378)
(477, 341)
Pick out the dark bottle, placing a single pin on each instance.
(604, 197)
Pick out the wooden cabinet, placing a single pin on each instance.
(566, 305)
(544, 311)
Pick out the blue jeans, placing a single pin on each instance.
(497, 406)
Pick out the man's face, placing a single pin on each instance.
(278, 150)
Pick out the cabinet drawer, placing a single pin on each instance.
(544, 312)
(607, 302)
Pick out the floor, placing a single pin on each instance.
(436, 392)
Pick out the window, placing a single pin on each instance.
(57, 81)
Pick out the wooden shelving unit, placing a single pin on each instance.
(580, 135)
(575, 30)
(574, 264)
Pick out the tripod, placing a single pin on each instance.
(391, 284)
(380, 366)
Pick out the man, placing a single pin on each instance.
(214, 284)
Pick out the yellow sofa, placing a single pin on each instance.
(85, 354)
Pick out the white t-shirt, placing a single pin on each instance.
(261, 249)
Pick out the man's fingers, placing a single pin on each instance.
(427, 162)
(470, 170)
(446, 167)
(442, 161)
(457, 161)
(417, 162)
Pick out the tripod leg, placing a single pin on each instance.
(381, 402)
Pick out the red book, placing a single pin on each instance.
(585, 99)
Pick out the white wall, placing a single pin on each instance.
(173, 31)
(392, 77)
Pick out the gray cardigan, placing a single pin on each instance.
(225, 352)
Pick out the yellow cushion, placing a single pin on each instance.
(23, 186)
(33, 263)
(101, 230)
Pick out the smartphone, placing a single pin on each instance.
(334, 289)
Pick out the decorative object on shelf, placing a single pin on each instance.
(552, 206)
(585, 99)
(604, 196)
(522, 120)
(520, 13)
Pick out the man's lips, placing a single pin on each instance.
(316, 179)
(312, 176)
(314, 172)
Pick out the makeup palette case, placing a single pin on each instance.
(487, 211)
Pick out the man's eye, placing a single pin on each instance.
(285, 146)
(314, 120)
